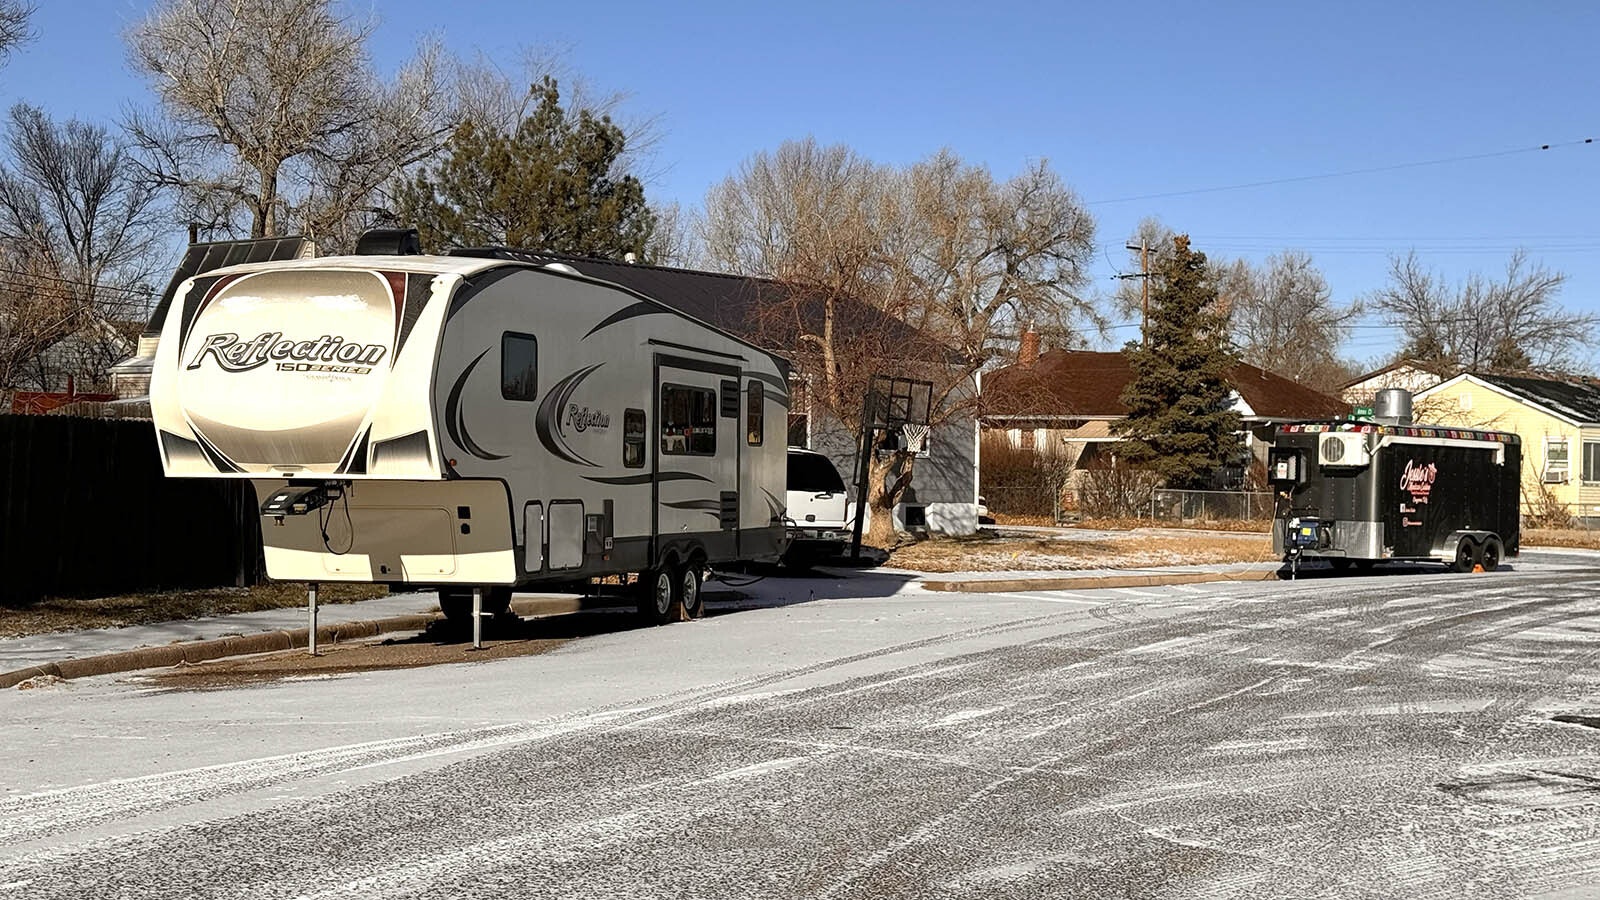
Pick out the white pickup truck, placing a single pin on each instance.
(821, 515)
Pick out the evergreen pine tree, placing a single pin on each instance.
(555, 183)
(1180, 423)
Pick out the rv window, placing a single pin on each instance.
(519, 366)
(688, 421)
(633, 438)
(755, 415)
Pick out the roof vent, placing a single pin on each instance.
(630, 257)
(561, 267)
(389, 242)
(1392, 407)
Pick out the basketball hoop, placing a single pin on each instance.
(914, 438)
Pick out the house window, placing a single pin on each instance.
(798, 426)
(1027, 438)
(519, 366)
(688, 421)
(1555, 460)
(633, 438)
(755, 414)
(1464, 401)
(1591, 461)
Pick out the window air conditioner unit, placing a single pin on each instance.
(1555, 476)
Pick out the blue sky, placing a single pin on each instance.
(1125, 101)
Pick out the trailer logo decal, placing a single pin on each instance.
(582, 418)
(328, 353)
(455, 422)
(1418, 480)
(547, 422)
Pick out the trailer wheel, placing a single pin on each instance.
(1491, 553)
(456, 603)
(657, 596)
(688, 585)
(1467, 554)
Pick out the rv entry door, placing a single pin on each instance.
(697, 460)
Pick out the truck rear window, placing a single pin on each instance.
(809, 472)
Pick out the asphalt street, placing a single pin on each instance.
(1407, 734)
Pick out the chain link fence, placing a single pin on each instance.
(1210, 506)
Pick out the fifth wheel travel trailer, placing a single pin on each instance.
(474, 422)
(1362, 492)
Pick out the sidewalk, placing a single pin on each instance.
(40, 649)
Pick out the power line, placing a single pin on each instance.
(1348, 172)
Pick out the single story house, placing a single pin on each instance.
(1074, 396)
(1406, 374)
(1558, 419)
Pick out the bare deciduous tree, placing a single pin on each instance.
(1509, 325)
(271, 109)
(1283, 318)
(961, 259)
(78, 228)
(15, 25)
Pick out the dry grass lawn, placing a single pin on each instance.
(166, 606)
(1066, 553)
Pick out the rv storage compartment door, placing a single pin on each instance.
(566, 534)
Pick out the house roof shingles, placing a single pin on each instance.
(1089, 384)
(1577, 399)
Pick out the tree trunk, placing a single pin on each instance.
(265, 221)
(883, 494)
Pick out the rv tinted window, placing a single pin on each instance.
(688, 421)
(813, 473)
(633, 438)
(519, 369)
(755, 414)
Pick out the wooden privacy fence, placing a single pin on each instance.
(85, 510)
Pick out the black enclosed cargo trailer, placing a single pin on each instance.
(1359, 492)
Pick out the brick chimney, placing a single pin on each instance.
(1028, 347)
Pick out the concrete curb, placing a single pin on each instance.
(271, 641)
(1091, 582)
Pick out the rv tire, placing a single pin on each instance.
(657, 596)
(688, 584)
(1467, 555)
(1490, 554)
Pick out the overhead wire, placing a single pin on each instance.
(1369, 170)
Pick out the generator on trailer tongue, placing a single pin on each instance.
(1361, 492)
(474, 422)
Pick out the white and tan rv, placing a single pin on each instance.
(480, 421)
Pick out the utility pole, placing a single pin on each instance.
(1144, 273)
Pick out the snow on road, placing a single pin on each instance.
(1419, 735)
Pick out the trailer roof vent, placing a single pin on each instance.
(389, 242)
(1393, 407)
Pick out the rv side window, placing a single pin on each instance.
(688, 421)
(755, 414)
(633, 438)
(519, 366)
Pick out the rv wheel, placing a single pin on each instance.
(689, 591)
(1492, 553)
(656, 595)
(1466, 555)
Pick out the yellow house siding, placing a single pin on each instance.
(1472, 405)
